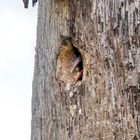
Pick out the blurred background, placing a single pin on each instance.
(17, 49)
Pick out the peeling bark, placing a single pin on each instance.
(105, 105)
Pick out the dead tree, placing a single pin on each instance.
(99, 98)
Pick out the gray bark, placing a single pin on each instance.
(105, 105)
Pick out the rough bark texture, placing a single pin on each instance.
(106, 104)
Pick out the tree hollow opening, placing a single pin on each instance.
(70, 64)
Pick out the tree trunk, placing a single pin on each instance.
(105, 103)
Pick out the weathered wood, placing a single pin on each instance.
(106, 104)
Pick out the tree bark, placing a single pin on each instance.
(105, 105)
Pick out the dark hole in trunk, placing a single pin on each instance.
(80, 64)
